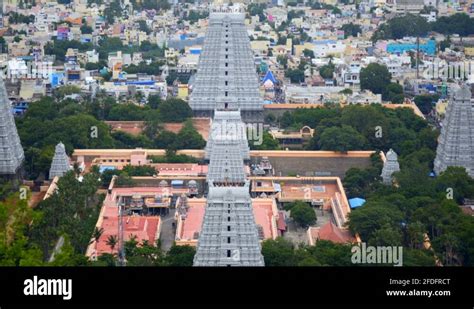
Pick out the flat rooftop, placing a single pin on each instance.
(313, 163)
(284, 162)
(189, 226)
(142, 227)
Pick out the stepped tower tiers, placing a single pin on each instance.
(11, 152)
(229, 235)
(227, 125)
(390, 166)
(226, 75)
(456, 143)
(60, 164)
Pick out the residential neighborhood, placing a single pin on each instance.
(236, 133)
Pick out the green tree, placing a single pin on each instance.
(188, 138)
(351, 29)
(112, 242)
(308, 53)
(375, 77)
(328, 253)
(97, 233)
(282, 60)
(327, 71)
(129, 112)
(425, 102)
(341, 139)
(402, 26)
(154, 101)
(459, 23)
(278, 252)
(141, 170)
(267, 143)
(456, 180)
(416, 257)
(303, 214)
(295, 75)
(86, 29)
(373, 216)
(180, 256)
(394, 93)
(174, 110)
(15, 247)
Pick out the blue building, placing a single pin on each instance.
(399, 48)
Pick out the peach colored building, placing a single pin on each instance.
(325, 192)
(189, 221)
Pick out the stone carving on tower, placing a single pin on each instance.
(227, 125)
(390, 166)
(456, 142)
(226, 75)
(60, 164)
(229, 235)
(11, 152)
(227, 86)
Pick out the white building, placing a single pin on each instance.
(326, 48)
(92, 56)
(364, 97)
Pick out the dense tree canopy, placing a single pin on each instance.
(282, 252)
(351, 29)
(415, 25)
(175, 110)
(295, 75)
(426, 102)
(375, 77)
(399, 27)
(301, 213)
(342, 139)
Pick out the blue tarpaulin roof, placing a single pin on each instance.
(104, 168)
(177, 182)
(269, 76)
(356, 202)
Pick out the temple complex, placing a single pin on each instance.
(60, 164)
(390, 166)
(456, 143)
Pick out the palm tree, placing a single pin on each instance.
(112, 242)
(97, 234)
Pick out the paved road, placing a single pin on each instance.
(298, 235)
(168, 232)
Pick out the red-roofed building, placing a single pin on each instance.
(142, 227)
(331, 232)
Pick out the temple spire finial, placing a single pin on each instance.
(60, 164)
